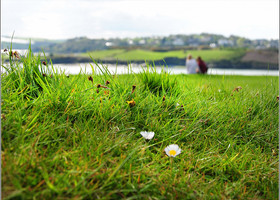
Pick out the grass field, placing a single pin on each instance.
(139, 54)
(78, 137)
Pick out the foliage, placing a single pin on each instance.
(27, 74)
(157, 83)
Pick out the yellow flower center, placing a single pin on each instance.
(172, 152)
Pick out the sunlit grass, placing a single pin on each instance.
(71, 141)
(139, 54)
(215, 55)
(104, 54)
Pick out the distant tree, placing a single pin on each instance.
(240, 42)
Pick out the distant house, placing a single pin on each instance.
(205, 39)
(178, 42)
(142, 42)
(224, 42)
(274, 44)
(194, 44)
(212, 45)
(108, 44)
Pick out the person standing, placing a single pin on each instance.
(191, 64)
(202, 66)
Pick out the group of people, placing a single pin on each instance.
(196, 65)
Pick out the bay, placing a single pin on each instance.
(136, 68)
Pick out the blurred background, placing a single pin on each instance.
(227, 34)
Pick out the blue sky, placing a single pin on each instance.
(61, 19)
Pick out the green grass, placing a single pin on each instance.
(104, 54)
(68, 141)
(138, 54)
(211, 55)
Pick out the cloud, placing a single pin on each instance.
(71, 18)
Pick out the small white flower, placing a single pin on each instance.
(219, 90)
(147, 135)
(177, 105)
(172, 150)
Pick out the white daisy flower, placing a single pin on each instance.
(147, 135)
(172, 150)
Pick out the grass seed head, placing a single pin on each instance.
(3, 116)
(237, 89)
(90, 79)
(16, 54)
(133, 88)
(131, 103)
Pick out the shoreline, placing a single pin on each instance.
(124, 69)
(170, 61)
(217, 64)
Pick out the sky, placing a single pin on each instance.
(64, 19)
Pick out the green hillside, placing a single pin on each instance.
(139, 54)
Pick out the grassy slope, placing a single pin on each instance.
(139, 54)
(70, 141)
(104, 54)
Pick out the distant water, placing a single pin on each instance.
(136, 68)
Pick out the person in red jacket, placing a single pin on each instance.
(202, 66)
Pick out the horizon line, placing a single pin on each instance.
(130, 37)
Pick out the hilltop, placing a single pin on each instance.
(220, 51)
(159, 43)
